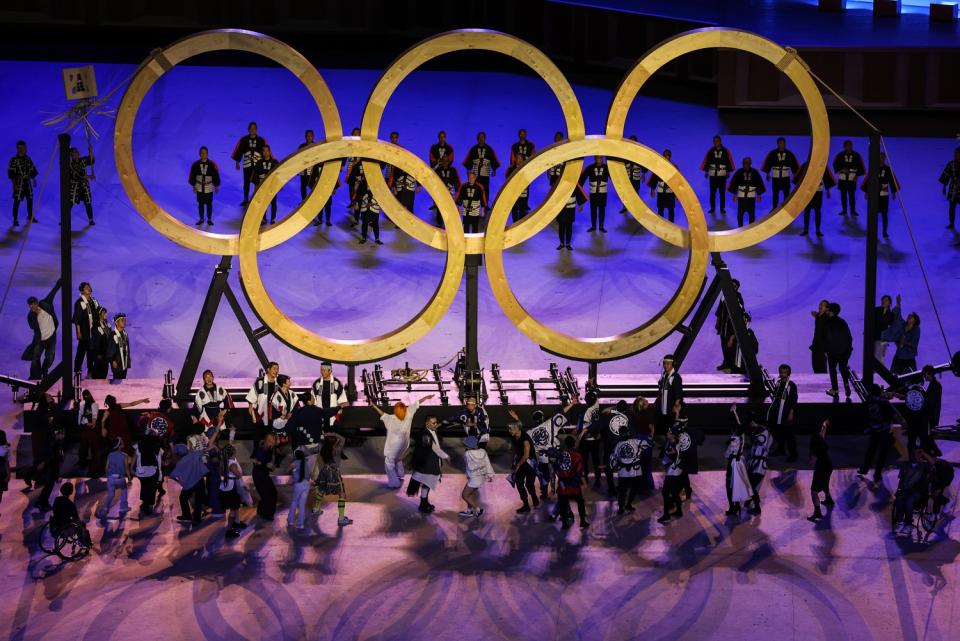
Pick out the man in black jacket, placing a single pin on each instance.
(669, 391)
(839, 344)
(42, 319)
(86, 317)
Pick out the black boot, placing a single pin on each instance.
(425, 506)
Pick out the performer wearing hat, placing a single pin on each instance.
(669, 391)
(210, 405)
(80, 181)
(778, 166)
(118, 348)
(716, 166)
(23, 174)
(261, 168)
(329, 393)
(666, 199)
(205, 179)
(428, 458)
(398, 426)
(756, 456)
(248, 151)
(86, 315)
(950, 179)
(599, 177)
(848, 164)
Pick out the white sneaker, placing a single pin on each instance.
(466, 513)
(343, 520)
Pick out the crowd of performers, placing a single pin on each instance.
(552, 455)
(746, 183)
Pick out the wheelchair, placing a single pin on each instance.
(70, 542)
(929, 509)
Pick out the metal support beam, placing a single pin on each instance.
(351, 383)
(472, 361)
(66, 270)
(870, 268)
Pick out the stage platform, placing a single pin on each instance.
(397, 574)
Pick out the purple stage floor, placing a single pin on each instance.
(498, 578)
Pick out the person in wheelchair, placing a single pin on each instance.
(64, 510)
(915, 477)
(68, 536)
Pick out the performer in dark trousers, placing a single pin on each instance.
(451, 178)
(441, 151)
(370, 215)
(599, 177)
(260, 170)
(554, 173)
(482, 161)
(779, 164)
(747, 188)
(472, 200)
(428, 458)
(822, 470)
(205, 180)
(781, 414)
(724, 327)
(23, 174)
(815, 204)
(524, 469)
(839, 344)
(637, 174)
(80, 181)
(86, 316)
(404, 187)
(308, 182)
(716, 166)
(888, 188)
(42, 320)
(880, 416)
(666, 199)
(520, 151)
(818, 346)
(950, 179)
(356, 181)
(566, 216)
(118, 348)
(669, 391)
(100, 339)
(248, 152)
(848, 164)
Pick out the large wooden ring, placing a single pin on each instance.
(465, 40)
(606, 347)
(163, 60)
(791, 65)
(357, 350)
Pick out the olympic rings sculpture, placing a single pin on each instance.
(335, 147)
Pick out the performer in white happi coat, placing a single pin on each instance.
(210, 405)
(398, 438)
(738, 481)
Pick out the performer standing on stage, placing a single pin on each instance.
(950, 179)
(524, 468)
(482, 161)
(284, 401)
(778, 166)
(888, 188)
(118, 348)
(738, 481)
(397, 425)
(356, 181)
(451, 178)
(880, 417)
(258, 400)
(329, 393)
(404, 186)
(248, 152)
(839, 344)
(724, 327)
(210, 405)
(100, 343)
(23, 174)
(673, 472)
(519, 153)
(479, 471)
(205, 179)
(822, 469)
(310, 175)
(80, 181)
(637, 174)
(571, 478)
(474, 421)
(716, 166)
(848, 164)
(86, 315)
(328, 479)
(599, 177)
(566, 216)
(669, 392)
(369, 210)
(428, 458)
(613, 425)
(627, 461)
(472, 200)
(818, 346)
(554, 173)
(588, 443)
(441, 151)
(756, 457)
(666, 199)
(747, 188)
(42, 320)
(260, 170)
(781, 414)
(816, 204)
